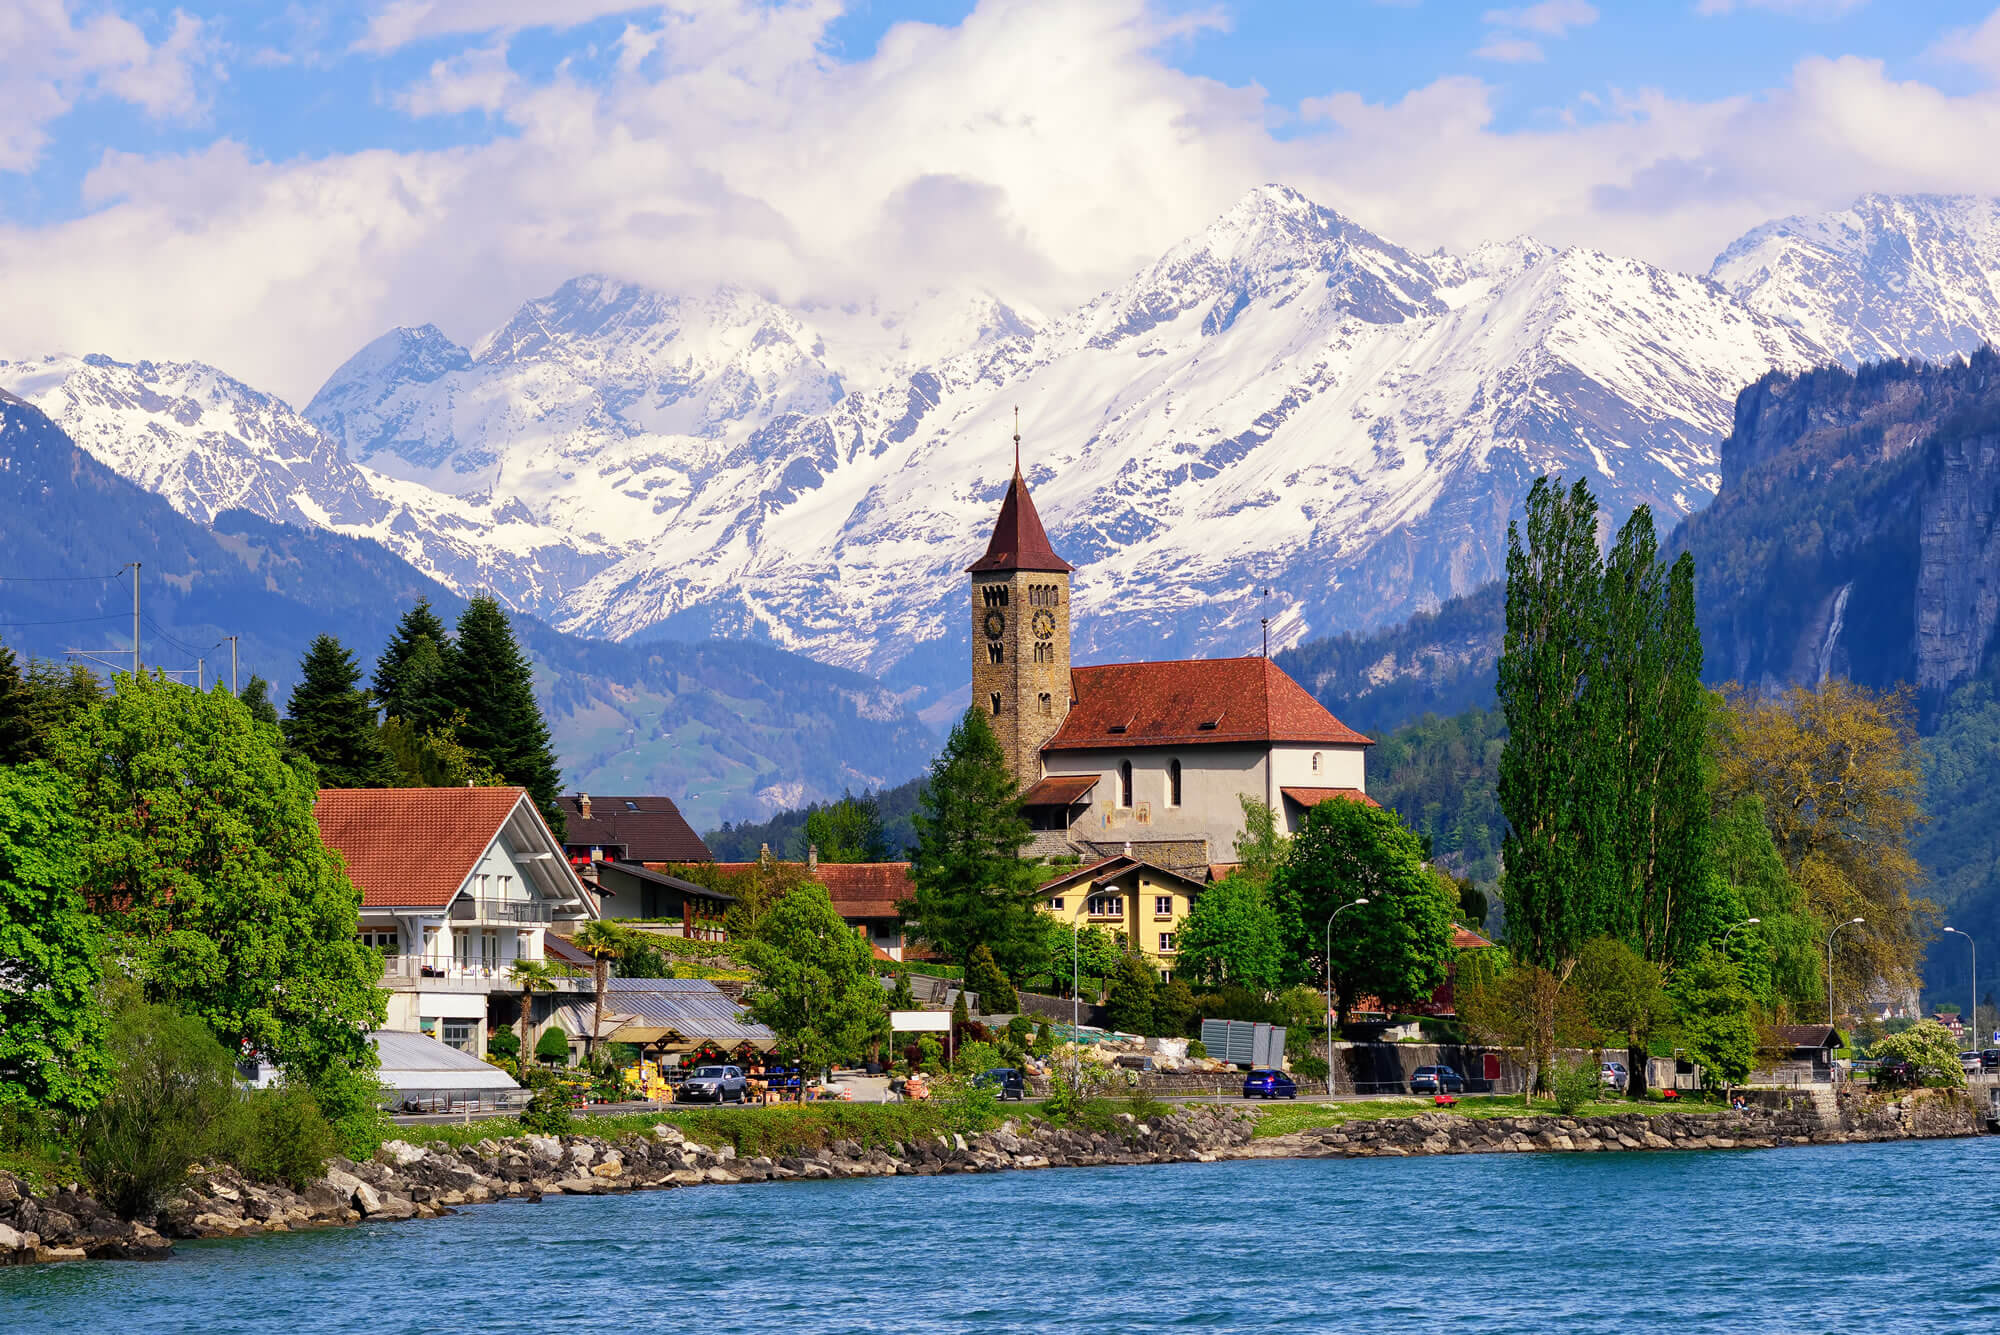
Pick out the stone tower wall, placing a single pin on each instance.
(1018, 679)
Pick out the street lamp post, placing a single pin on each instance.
(1829, 965)
(1747, 922)
(1974, 1012)
(1329, 987)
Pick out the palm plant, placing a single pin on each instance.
(531, 976)
(603, 943)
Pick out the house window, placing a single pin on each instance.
(1315, 762)
(458, 1034)
(389, 942)
(1124, 783)
(994, 701)
(1163, 906)
(1173, 783)
(489, 951)
(1056, 904)
(1048, 705)
(995, 652)
(1106, 906)
(1166, 943)
(461, 949)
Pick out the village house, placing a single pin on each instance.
(1138, 770)
(649, 831)
(864, 894)
(456, 885)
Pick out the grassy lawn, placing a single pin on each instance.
(1286, 1118)
(754, 1130)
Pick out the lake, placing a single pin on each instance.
(1895, 1237)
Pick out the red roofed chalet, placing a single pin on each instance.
(456, 885)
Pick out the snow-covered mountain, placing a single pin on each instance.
(208, 443)
(1285, 401)
(1892, 276)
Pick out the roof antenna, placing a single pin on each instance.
(1265, 621)
(1017, 440)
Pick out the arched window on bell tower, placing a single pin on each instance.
(994, 701)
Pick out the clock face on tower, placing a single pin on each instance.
(1045, 623)
(996, 624)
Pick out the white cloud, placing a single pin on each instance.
(1550, 18)
(1977, 46)
(55, 60)
(400, 22)
(1040, 149)
(1510, 50)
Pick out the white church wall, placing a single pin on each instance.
(1214, 780)
(1339, 766)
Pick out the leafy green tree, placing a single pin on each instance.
(1626, 998)
(1262, 847)
(902, 997)
(18, 741)
(413, 673)
(1174, 1008)
(970, 886)
(531, 976)
(52, 1027)
(1231, 936)
(1128, 1000)
(1525, 1007)
(1398, 945)
(983, 977)
(200, 853)
(1078, 952)
(171, 1101)
(330, 721)
(1553, 770)
(493, 687)
(849, 830)
(816, 984)
(1930, 1047)
(256, 697)
(604, 943)
(1712, 1011)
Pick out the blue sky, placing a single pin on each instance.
(267, 185)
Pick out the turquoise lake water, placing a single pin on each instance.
(1881, 1238)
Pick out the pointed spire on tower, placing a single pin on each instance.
(1019, 542)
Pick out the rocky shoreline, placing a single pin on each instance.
(407, 1181)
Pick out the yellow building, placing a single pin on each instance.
(1144, 903)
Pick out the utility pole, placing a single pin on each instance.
(232, 663)
(103, 656)
(199, 664)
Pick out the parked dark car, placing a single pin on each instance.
(713, 1084)
(1436, 1080)
(1269, 1084)
(1989, 1059)
(1005, 1081)
(1898, 1073)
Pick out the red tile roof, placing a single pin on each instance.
(1194, 702)
(1018, 541)
(1312, 797)
(650, 829)
(1059, 790)
(412, 847)
(857, 889)
(1464, 938)
(1113, 867)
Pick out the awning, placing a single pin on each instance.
(1312, 797)
(418, 1066)
(1059, 790)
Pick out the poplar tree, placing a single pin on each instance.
(1654, 721)
(256, 697)
(492, 686)
(330, 720)
(971, 887)
(1553, 769)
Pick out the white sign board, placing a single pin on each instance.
(920, 1022)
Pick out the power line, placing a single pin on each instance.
(59, 579)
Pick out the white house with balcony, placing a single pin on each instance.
(456, 885)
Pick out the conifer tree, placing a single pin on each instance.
(18, 743)
(493, 687)
(1553, 769)
(411, 676)
(330, 720)
(971, 886)
(256, 695)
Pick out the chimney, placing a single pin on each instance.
(583, 805)
(812, 858)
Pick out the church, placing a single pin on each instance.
(1137, 770)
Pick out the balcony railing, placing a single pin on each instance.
(511, 910)
(411, 973)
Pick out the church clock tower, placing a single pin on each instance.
(1020, 632)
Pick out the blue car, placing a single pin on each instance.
(1269, 1084)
